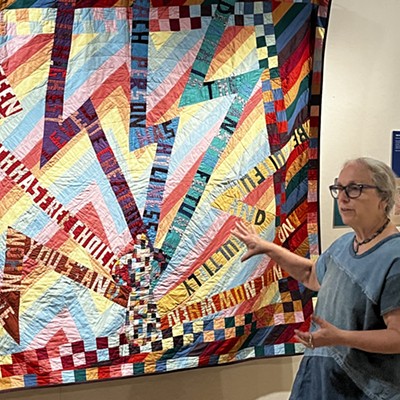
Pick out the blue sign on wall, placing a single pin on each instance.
(396, 152)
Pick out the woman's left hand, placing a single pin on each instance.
(326, 335)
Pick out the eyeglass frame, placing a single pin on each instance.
(360, 186)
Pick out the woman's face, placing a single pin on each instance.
(364, 210)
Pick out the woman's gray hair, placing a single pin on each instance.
(383, 177)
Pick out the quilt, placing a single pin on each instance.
(133, 135)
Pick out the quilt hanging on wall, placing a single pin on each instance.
(133, 137)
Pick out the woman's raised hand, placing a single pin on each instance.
(249, 236)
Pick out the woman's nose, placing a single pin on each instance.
(343, 196)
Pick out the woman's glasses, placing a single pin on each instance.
(353, 190)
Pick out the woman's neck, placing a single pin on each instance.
(364, 239)
(365, 232)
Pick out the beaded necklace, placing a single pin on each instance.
(357, 244)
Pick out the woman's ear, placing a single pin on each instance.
(383, 205)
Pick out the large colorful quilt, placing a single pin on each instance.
(132, 137)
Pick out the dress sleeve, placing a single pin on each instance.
(390, 299)
(320, 267)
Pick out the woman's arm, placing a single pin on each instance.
(384, 341)
(300, 268)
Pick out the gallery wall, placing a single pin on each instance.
(360, 109)
(360, 106)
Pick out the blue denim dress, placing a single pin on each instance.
(356, 291)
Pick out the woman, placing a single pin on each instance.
(353, 347)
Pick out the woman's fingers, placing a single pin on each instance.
(249, 236)
(241, 228)
(319, 321)
(306, 338)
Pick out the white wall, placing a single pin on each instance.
(360, 109)
(361, 91)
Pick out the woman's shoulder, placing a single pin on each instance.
(338, 248)
(391, 241)
(346, 238)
